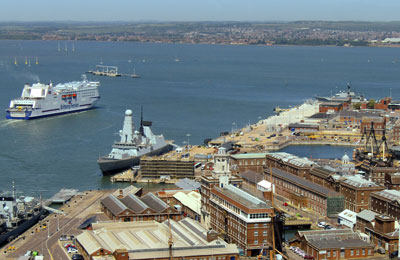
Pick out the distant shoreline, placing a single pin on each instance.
(211, 43)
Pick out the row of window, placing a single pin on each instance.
(299, 190)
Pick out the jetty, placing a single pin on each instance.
(131, 175)
(63, 196)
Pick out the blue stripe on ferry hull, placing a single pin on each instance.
(55, 114)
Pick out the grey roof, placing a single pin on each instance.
(300, 125)
(242, 197)
(292, 159)
(367, 215)
(154, 202)
(252, 176)
(188, 184)
(113, 204)
(356, 114)
(320, 171)
(323, 116)
(134, 203)
(334, 239)
(389, 194)
(358, 181)
(311, 186)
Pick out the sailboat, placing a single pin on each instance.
(29, 63)
(73, 47)
(37, 61)
(66, 48)
(176, 59)
(26, 61)
(59, 49)
(15, 61)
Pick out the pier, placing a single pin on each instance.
(63, 196)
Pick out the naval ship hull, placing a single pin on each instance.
(12, 234)
(111, 166)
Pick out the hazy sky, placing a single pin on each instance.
(199, 10)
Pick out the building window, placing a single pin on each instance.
(363, 252)
(264, 232)
(334, 253)
(328, 254)
(352, 252)
(256, 241)
(255, 233)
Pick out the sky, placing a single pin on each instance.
(199, 10)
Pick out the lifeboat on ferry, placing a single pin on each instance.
(74, 95)
(63, 96)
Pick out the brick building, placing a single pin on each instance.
(149, 240)
(134, 208)
(330, 107)
(241, 218)
(377, 174)
(392, 181)
(364, 219)
(377, 122)
(289, 163)
(386, 202)
(248, 161)
(305, 194)
(324, 177)
(332, 244)
(356, 192)
(303, 128)
(383, 234)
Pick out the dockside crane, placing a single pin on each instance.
(170, 241)
(273, 222)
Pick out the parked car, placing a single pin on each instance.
(77, 257)
(308, 257)
(327, 227)
(321, 224)
(72, 250)
(64, 238)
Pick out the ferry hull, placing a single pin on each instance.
(111, 166)
(28, 115)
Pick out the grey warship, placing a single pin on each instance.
(17, 214)
(133, 144)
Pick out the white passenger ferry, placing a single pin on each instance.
(41, 100)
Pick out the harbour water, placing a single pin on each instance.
(204, 93)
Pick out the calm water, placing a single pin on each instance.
(203, 94)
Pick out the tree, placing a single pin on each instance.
(371, 104)
(357, 106)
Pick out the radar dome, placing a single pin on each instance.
(128, 112)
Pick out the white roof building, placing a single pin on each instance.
(192, 200)
(347, 218)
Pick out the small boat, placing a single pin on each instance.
(134, 75)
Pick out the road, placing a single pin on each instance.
(46, 240)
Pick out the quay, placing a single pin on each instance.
(44, 236)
